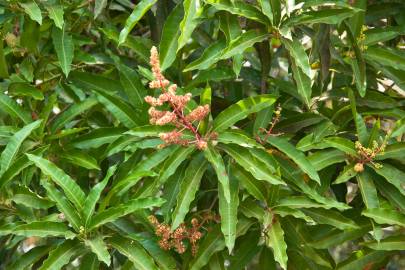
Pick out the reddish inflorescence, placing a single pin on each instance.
(175, 239)
(176, 115)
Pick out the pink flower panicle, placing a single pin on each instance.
(175, 116)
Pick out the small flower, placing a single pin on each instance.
(358, 167)
(198, 114)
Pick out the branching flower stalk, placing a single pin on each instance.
(273, 123)
(176, 116)
(367, 155)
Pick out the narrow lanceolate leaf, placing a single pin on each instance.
(241, 110)
(395, 242)
(61, 255)
(209, 57)
(192, 11)
(63, 205)
(33, 11)
(44, 229)
(99, 248)
(94, 196)
(229, 212)
(173, 162)
(170, 35)
(10, 152)
(113, 213)
(72, 112)
(367, 189)
(188, 189)
(362, 259)
(297, 156)
(300, 202)
(64, 47)
(275, 240)
(385, 216)
(217, 163)
(99, 6)
(11, 107)
(132, 85)
(257, 168)
(211, 244)
(329, 16)
(297, 52)
(246, 180)
(140, 9)
(238, 137)
(392, 175)
(134, 252)
(240, 8)
(23, 195)
(81, 159)
(26, 260)
(243, 42)
(72, 190)
(55, 12)
(119, 108)
(303, 84)
(330, 217)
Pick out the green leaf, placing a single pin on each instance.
(55, 12)
(275, 240)
(99, 6)
(134, 252)
(244, 41)
(392, 175)
(342, 144)
(81, 159)
(385, 216)
(97, 137)
(69, 186)
(192, 11)
(298, 157)
(44, 229)
(328, 16)
(89, 262)
(132, 85)
(61, 255)
(209, 57)
(241, 110)
(303, 84)
(394, 242)
(170, 35)
(228, 210)
(24, 89)
(63, 205)
(119, 108)
(10, 152)
(113, 213)
(362, 259)
(211, 244)
(139, 11)
(32, 9)
(188, 189)
(99, 248)
(258, 169)
(3, 62)
(30, 257)
(173, 162)
(297, 52)
(73, 111)
(330, 217)
(300, 202)
(324, 158)
(386, 56)
(367, 189)
(11, 107)
(345, 175)
(23, 195)
(218, 164)
(239, 138)
(94, 195)
(253, 187)
(239, 8)
(64, 47)
(395, 151)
